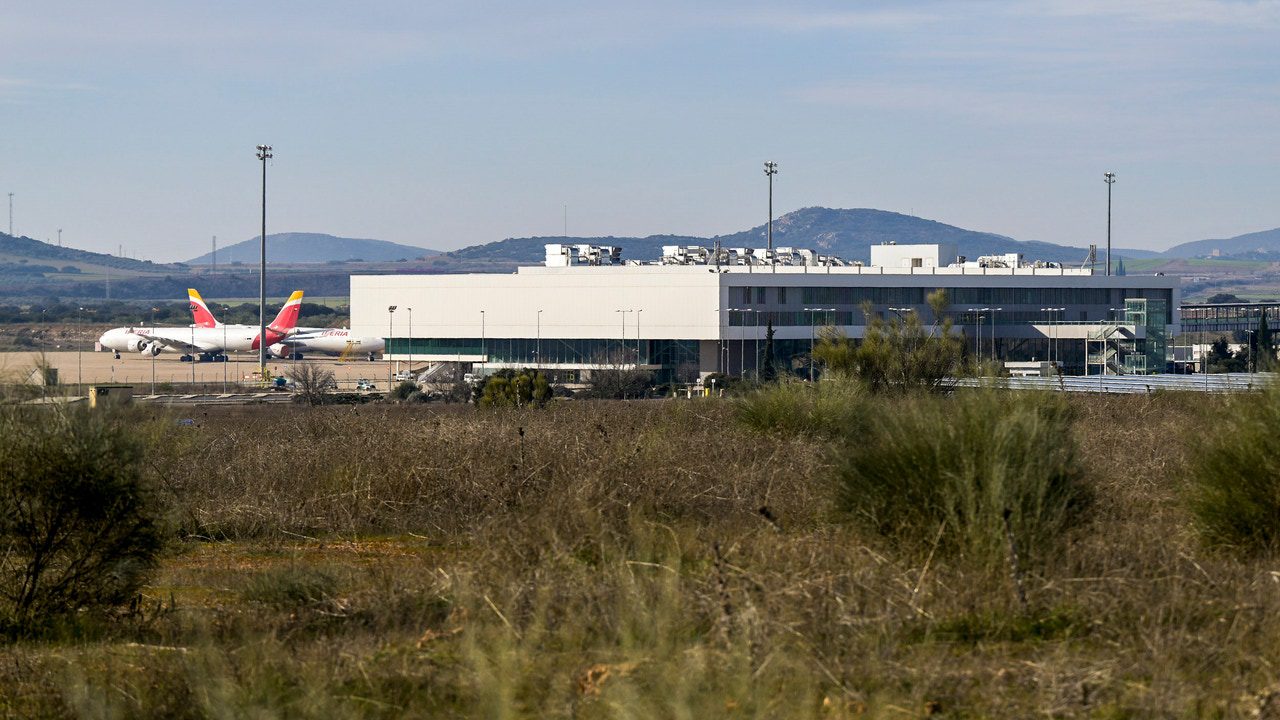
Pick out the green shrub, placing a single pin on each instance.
(899, 354)
(835, 407)
(945, 469)
(291, 587)
(79, 525)
(1235, 475)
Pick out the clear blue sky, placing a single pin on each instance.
(448, 124)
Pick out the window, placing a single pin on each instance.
(760, 296)
(782, 296)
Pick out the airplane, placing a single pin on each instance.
(210, 343)
(328, 341)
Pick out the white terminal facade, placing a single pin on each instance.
(699, 311)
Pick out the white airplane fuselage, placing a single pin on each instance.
(330, 341)
(224, 339)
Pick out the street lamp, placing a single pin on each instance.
(391, 313)
(79, 342)
(993, 332)
(1110, 179)
(264, 154)
(770, 169)
(537, 349)
(977, 329)
(410, 339)
(484, 347)
(811, 312)
(638, 337)
(622, 356)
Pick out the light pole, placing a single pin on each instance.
(264, 154)
(811, 312)
(386, 350)
(193, 356)
(537, 348)
(484, 346)
(1110, 179)
(638, 337)
(1253, 357)
(152, 354)
(410, 339)
(770, 169)
(993, 332)
(977, 330)
(11, 213)
(79, 333)
(622, 356)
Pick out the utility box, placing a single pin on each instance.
(103, 395)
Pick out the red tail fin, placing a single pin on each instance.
(288, 317)
(200, 311)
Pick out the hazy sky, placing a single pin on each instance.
(448, 124)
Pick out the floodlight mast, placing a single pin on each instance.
(264, 154)
(1110, 179)
(770, 169)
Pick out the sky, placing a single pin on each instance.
(447, 124)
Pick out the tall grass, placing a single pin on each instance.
(1235, 475)
(946, 469)
(836, 407)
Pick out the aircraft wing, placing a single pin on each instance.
(178, 344)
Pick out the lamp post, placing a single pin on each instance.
(622, 356)
(484, 347)
(79, 339)
(770, 169)
(977, 330)
(993, 332)
(537, 349)
(391, 314)
(152, 354)
(811, 312)
(638, 337)
(1110, 179)
(264, 154)
(193, 356)
(410, 339)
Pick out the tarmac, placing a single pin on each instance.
(142, 371)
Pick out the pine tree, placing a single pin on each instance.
(1120, 267)
(768, 372)
(1264, 345)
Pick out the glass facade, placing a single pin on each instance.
(667, 353)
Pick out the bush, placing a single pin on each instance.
(948, 467)
(402, 391)
(902, 353)
(833, 408)
(508, 388)
(78, 523)
(1235, 476)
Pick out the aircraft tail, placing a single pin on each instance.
(288, 317)
(200, 311)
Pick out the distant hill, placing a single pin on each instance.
(1250, 245)
(846, 233)
(24, 250)
(297, 247)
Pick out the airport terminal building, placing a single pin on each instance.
(699, 310)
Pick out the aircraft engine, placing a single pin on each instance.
(280, 350)
(139, 345)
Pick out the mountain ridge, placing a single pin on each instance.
(848, 233)
(304, 247)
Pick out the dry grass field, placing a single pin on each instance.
(647, 559)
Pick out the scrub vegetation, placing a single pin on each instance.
(809, 551)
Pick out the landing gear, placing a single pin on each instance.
(186, 358)
(296, 356)
(117, 355)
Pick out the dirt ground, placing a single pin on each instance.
(101, 367)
